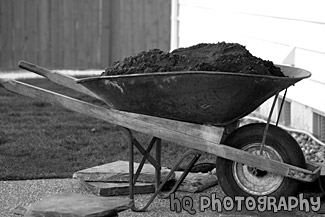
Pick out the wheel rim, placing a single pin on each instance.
(254, 181)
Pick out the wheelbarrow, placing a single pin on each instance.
(198, 110)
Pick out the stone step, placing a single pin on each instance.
(118, 171)
(112, 179)
(78, 205)
(117, 189)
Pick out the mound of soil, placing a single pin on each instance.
(223, 57)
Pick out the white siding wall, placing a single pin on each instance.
(302, 117)
(285, 32)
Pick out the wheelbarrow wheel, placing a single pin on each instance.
(237, 179)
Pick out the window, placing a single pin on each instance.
(319, 126)
(285, 117)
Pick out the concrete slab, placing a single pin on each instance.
(118, 171)
(113, 179)
(117, 189)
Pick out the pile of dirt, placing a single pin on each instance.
(222, 57)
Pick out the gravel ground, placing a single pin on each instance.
(22, 193)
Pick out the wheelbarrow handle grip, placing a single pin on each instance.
(34, 68)
(58, 78)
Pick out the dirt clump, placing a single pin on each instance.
(222, 57)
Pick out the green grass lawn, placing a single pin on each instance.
(40, 140)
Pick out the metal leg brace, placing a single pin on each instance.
(157, 164)
(268, 123)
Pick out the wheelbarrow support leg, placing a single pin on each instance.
(184, 174)
(157, 164)
(281, 106)
(167, 178)
(158, 159)
(268, 123)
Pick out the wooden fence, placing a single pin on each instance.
(80, 34)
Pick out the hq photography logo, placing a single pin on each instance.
(239, 203)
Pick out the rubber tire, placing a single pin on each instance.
(278, 139)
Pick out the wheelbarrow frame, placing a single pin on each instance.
(200, 138)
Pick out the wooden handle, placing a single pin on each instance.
(58, 78)
(34, 68)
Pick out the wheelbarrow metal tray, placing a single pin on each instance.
(216, 98)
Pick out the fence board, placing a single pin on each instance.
(80, 33)
(55, 34)
(94, 36)
(1, 31)
(1, 34)
(61, 33)
(115, 37)
(105, 33)
(44, 33)
(67, 33)
(31, 31)
(98, 27)
(17, 32)
(85, 45)
(6, 10)
(127, 28)
(164, 28)
(79, 36)
(139, 26)
(151, 20)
